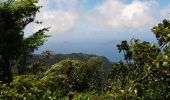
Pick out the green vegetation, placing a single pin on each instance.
(15, 15)
(144, 73)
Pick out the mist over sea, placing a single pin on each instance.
(98, 44)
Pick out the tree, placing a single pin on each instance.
(146, 66)
(15, 15)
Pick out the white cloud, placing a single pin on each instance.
(66, 15)
(117, 14)
(58, 18)
(59, 21)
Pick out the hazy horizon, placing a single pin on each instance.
(97, 26)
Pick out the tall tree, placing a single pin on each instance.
(15, 15)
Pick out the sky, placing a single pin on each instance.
(97, 26)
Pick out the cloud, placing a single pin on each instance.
(117, 14)
(56, 16)
(68, 16)
(59, 21)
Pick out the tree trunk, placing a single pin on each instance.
(20, 69)
(6, 75)
(21, 64)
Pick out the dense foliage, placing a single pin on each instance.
(144, 73)
(15, 15)
(56, 82)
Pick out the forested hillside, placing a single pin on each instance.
(55, 58)
(143, 74)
